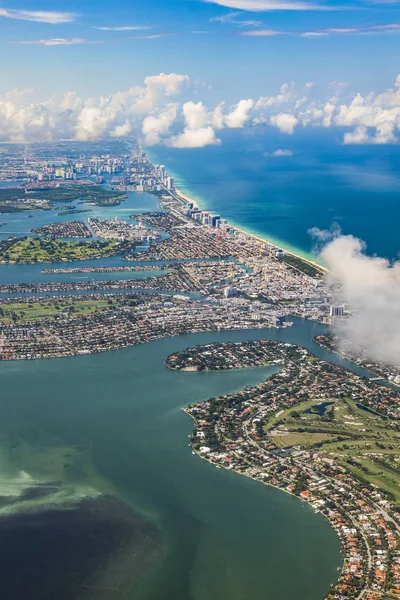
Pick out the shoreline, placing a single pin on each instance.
(186, 410)
(256, 237)
(187, 198)
(296, 253)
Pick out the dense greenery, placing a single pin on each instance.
(302, 265)
(31, 250)
(20, 312)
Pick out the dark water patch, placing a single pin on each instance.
(39, 491)
(97, 551)
(318, 409)
(369, 410)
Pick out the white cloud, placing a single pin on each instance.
(122, 130)
(358, 136)
(195, 138)
(170, 84)
(262, 33)
(59, 42)
(155, 128)
(285, 122)
(279, 153)
(38, 16)
(152, 36)
(239, 116)
(386, 28)
(22, 120)
(371, 287)
(268, 5)
(232, 18)
(155, 109)
(195, 115)
(124, 28)
(384, 134)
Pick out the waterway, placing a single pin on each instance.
(21, 223)
(76, 432)
(223, 536)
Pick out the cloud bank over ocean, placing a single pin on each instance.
(370, 286)
(162, 111)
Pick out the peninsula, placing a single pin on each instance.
(319, 432)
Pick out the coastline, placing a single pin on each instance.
(188, 196)
(258, 238)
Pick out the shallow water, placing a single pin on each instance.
(223, 535)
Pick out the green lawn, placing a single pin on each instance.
(370, 443)
(22, 311)
(33, 250)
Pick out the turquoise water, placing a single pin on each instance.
(323, 183)
(224, 537)
(21, 223)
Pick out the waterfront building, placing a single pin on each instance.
(336, 311)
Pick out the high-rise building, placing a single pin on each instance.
(336, 311)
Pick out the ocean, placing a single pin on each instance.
(281, 198)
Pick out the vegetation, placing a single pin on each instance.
(20, 312)
(22, 199)
(302, 265)
(362, 442)
(32, 250)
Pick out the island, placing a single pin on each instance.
(47, 196)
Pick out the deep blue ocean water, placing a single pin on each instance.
(281, 198)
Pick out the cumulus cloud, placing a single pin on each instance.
(321, 237)
(38, 16)
(375, 118)
(161, 111)
(371, 287)
(239, 116)
(285, 122)
(122, 130)
(196, 116)
(22, 120)
(156, 127)
(195, 138)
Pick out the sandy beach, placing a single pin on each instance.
(187, 198)
(256, 237)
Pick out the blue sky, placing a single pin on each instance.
(178, 72)
(227, 58)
